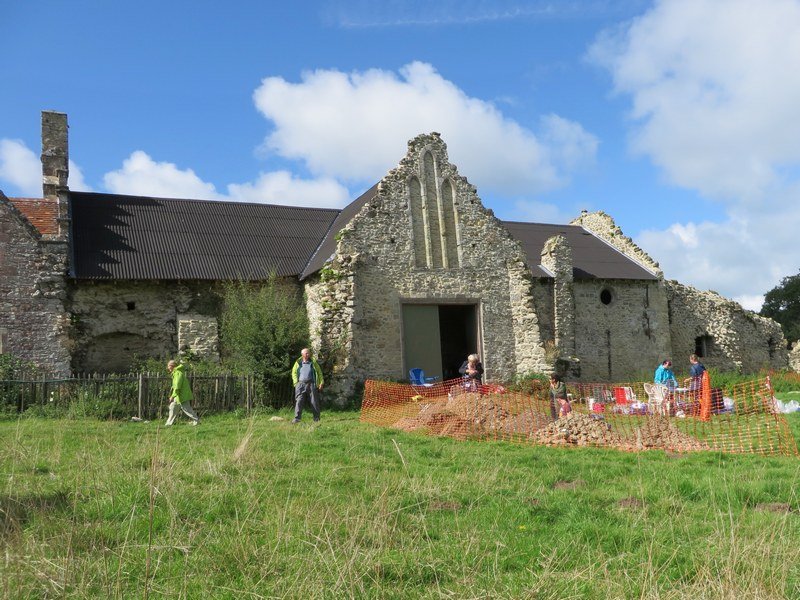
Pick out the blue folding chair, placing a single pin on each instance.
(417, 377)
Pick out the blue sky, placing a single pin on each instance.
(679, 118)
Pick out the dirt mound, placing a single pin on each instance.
(478, 409)
(524, 423)
(659, 432)
(581, 430)
(437, 420)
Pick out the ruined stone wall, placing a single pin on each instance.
(33, 321)
(556, 257)
(620, 340)
(604, 227)
(425, 236)
(199, 335)
(114, 323)
(794, 358)
(736, 339)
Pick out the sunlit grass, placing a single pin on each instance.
(250, 508)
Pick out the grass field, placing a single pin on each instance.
(250, 508)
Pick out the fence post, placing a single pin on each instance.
(246, 382)
(141, 394)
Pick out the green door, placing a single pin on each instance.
(422, 346)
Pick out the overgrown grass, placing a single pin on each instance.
(251, 508)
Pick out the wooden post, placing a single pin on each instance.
(246, 384)
(141, 394)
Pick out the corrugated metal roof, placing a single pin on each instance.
(328, 245)
(592, 258)
(133, 237)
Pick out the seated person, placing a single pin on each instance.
(665, 376)
(696, 371)
(472, 370)
(558, 396)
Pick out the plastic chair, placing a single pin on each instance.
(657, 398)
(417, 377)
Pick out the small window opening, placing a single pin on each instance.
(606, 297)
(772, 346)
(131, 305)
(702, 345)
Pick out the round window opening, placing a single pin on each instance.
(605, 297)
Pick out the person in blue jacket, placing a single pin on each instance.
(665, 376)
(307, 380)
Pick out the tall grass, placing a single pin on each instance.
(251, 508)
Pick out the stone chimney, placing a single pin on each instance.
(55, 164)
(55, 153)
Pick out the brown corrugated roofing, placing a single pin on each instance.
(41, 212)
(592, 258)
(132, 237)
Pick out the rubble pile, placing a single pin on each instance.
(581, 430)
(474, 415)
(658, 432)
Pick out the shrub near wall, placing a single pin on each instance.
(263, 329)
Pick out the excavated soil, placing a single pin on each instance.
(473, 415)
(581, 430)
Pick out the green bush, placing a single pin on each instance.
(264, 327)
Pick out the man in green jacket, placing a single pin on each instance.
(307, 379)
(180, 395)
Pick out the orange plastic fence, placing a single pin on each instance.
(741, 419)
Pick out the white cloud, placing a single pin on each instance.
(714, 105)
(713, 89)
(20, 167)
(355, 127)
(76, 180)
(281, 187)
(141, 175)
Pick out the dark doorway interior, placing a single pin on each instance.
(458, 330)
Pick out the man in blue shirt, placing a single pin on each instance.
(695, 373)
(307, 379)
(665, 376)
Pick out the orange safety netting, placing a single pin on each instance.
(620, 415)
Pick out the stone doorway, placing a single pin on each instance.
(438, 337)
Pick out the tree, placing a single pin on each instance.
(264, 327)
(782, 303)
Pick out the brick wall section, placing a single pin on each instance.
(355, 304)
(33, 321)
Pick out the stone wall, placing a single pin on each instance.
(425, 237)
(794, 358)
(732, 338)
(115, 323)
(604, 227)
(199, 335)
(625, 337)
(33, 320)
(735, 339)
